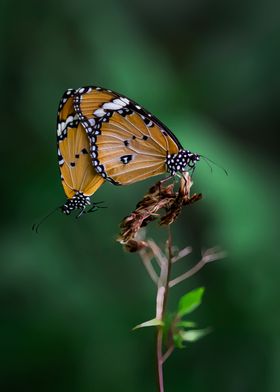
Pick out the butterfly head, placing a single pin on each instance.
(178, 162)
(78, 201)
(193, 158)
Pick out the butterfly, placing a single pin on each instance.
(127, 143)
(78, 176)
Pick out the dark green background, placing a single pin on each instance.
(70, 295)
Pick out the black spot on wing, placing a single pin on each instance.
(126, 159)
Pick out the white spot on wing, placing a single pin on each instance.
(112, 106)
(99, 113)
(64, 124)
(125, 100)
(119, 102)
(58, 129)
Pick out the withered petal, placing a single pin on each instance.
(158, 198)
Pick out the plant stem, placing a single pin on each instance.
(168, 352)
(162, 295)
(159, 360)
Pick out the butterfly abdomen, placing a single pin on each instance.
(78, 201)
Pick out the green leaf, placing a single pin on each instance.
(186, 324)
(151, 323)
(194, 334)
(190, 301)
(178, 340)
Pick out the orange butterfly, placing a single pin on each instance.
(79, 178)
(104, 135)
(127, 143)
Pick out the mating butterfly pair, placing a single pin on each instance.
(102, 135)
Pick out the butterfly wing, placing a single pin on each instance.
(128, 151)
(78, 176)
(77, 172)
(128, 144)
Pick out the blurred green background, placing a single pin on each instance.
(70, 295)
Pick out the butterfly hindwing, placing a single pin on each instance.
(127, 153)
(78, 174)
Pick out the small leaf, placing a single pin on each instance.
(186, 324)
(178, 340)
(190, 301)
(194, 334)
(151, 323)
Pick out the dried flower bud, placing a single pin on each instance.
(147, 210)
(134, 246)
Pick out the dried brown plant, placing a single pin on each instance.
(163, 203)
(159, 198)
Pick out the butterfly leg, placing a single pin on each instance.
(82, 211)
(95, 206)
(190, 171)
(166, 179)
(161, 182)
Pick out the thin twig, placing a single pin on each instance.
(168, 352)
(159, 256)
(208, 256)
(147, 262)
(184, 252)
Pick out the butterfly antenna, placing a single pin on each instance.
(208, 164)
(35, 226)
(96, 206)
(192, 171)
(207, 160)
